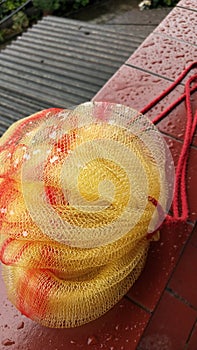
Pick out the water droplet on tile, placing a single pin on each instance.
(167, 67)
(92, 340)
(180, 56)
(8, 342)
(20, 325)
(108, 337)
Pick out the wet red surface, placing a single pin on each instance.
(170, 325)
(160, 310)
(193, 240)
(193, 339)
(177, 25)
(158, 52)
(162, 258)
(175, 123)
(191, 4)
(136, 89)
(184, 278)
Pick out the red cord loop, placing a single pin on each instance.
(180, 201)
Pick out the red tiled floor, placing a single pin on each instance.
(119, 329)
(162, 258)
(157, 53)
(180, 24)
(193, 340)
(191, 4)
(184, 278)
(170, 325)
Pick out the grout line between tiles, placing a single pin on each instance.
(186, 8)
(164, 289)
(177, 296)
(175, 138)
(172, 37)
(149, 72)
(190, 335)
(138, 304)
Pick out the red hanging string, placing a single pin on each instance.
(180, 201)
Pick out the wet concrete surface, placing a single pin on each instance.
(124, 16)
(103, 11)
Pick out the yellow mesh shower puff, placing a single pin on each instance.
(79, 192)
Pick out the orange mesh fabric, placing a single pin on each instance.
(75, 208)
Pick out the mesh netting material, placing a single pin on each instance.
(75, 208)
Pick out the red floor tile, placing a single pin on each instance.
(180, 24)
(175, 123)
(193, 340)
(191, 4)
(119, 329)
(158, 53)
(161, 260)
(136, 89)
(184, 278)
(170, 326)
